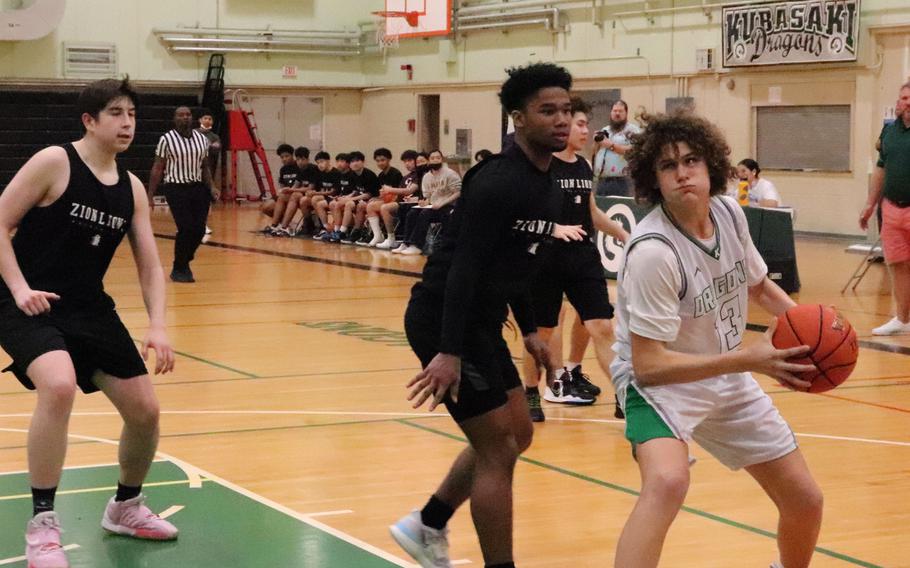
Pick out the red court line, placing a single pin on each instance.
(875, 404)
(894, 378)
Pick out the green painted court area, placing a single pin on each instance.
(219, 527)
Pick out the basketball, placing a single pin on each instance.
(829, 335)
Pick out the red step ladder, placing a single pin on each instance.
(244, 137)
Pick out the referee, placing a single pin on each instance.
(181, 158)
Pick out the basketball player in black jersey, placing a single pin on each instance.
(71, 206)
(573, 268)
(455, 316)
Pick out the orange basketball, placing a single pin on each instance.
(829, 335)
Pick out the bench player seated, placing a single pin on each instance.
(366, 186)
(287, 180)
(388, 176)
(392, 196)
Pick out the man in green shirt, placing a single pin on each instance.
(891, 187)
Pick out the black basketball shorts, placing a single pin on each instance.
(487, 370)
(576, 271)
(95, 339)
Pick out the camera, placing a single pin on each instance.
(599, 137)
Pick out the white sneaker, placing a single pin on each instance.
(400, 248)
(893, 327)
(388, 244)
(428, 546)
(411, 251)
(376, 241)
(207, 230)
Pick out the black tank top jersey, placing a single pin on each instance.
(67, 246)
(576, 181)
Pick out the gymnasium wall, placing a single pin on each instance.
(368, 100)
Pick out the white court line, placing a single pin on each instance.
(191, 472)
(172, 510)
(460, 562)
(188, 469)
(89, 466)
(329, 513)
(850, 439)
(804, 435)
(594, 420)
(93, 490)
(260, 412)
(22, 558)
(196, 473)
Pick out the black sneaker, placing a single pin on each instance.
(618, 413)
(564, 391)
(365, 238)
(584, 381)
(351, 237)
(183, 276)
(533, 397)
(268, 229)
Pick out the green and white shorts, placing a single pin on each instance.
(730, 416)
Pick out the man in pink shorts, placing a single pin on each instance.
(891, 187)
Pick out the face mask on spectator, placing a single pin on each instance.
(434, 166)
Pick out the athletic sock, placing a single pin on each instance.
(436, 513)
(376, 226)
(571, 365)
(125, 492)
(43, 500)
(532, 390)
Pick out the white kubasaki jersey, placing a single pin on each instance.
(691, 294)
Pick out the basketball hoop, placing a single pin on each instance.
(412, 17)
(384, 39)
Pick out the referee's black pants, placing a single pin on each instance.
(189, 205)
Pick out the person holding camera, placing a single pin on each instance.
(611, 143)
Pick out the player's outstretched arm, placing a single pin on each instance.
(151, 279)
(39, 182)
(606, 225)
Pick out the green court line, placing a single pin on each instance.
(212, 363)
(292, 375)
(248, 430)
(279, 428)
(629, 491)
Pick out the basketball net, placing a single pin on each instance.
(386, 41)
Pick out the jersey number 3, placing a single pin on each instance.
(731, 318)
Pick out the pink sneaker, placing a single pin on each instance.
(133, 518)
(42, 542)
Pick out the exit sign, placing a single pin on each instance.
(289, 71)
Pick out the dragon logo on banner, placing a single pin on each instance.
(813, 31)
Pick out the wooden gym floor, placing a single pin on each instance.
(287, 440)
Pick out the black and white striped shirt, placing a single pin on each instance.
(184, 156)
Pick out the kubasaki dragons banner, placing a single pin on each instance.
(814, 31)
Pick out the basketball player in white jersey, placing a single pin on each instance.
(681, 373)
